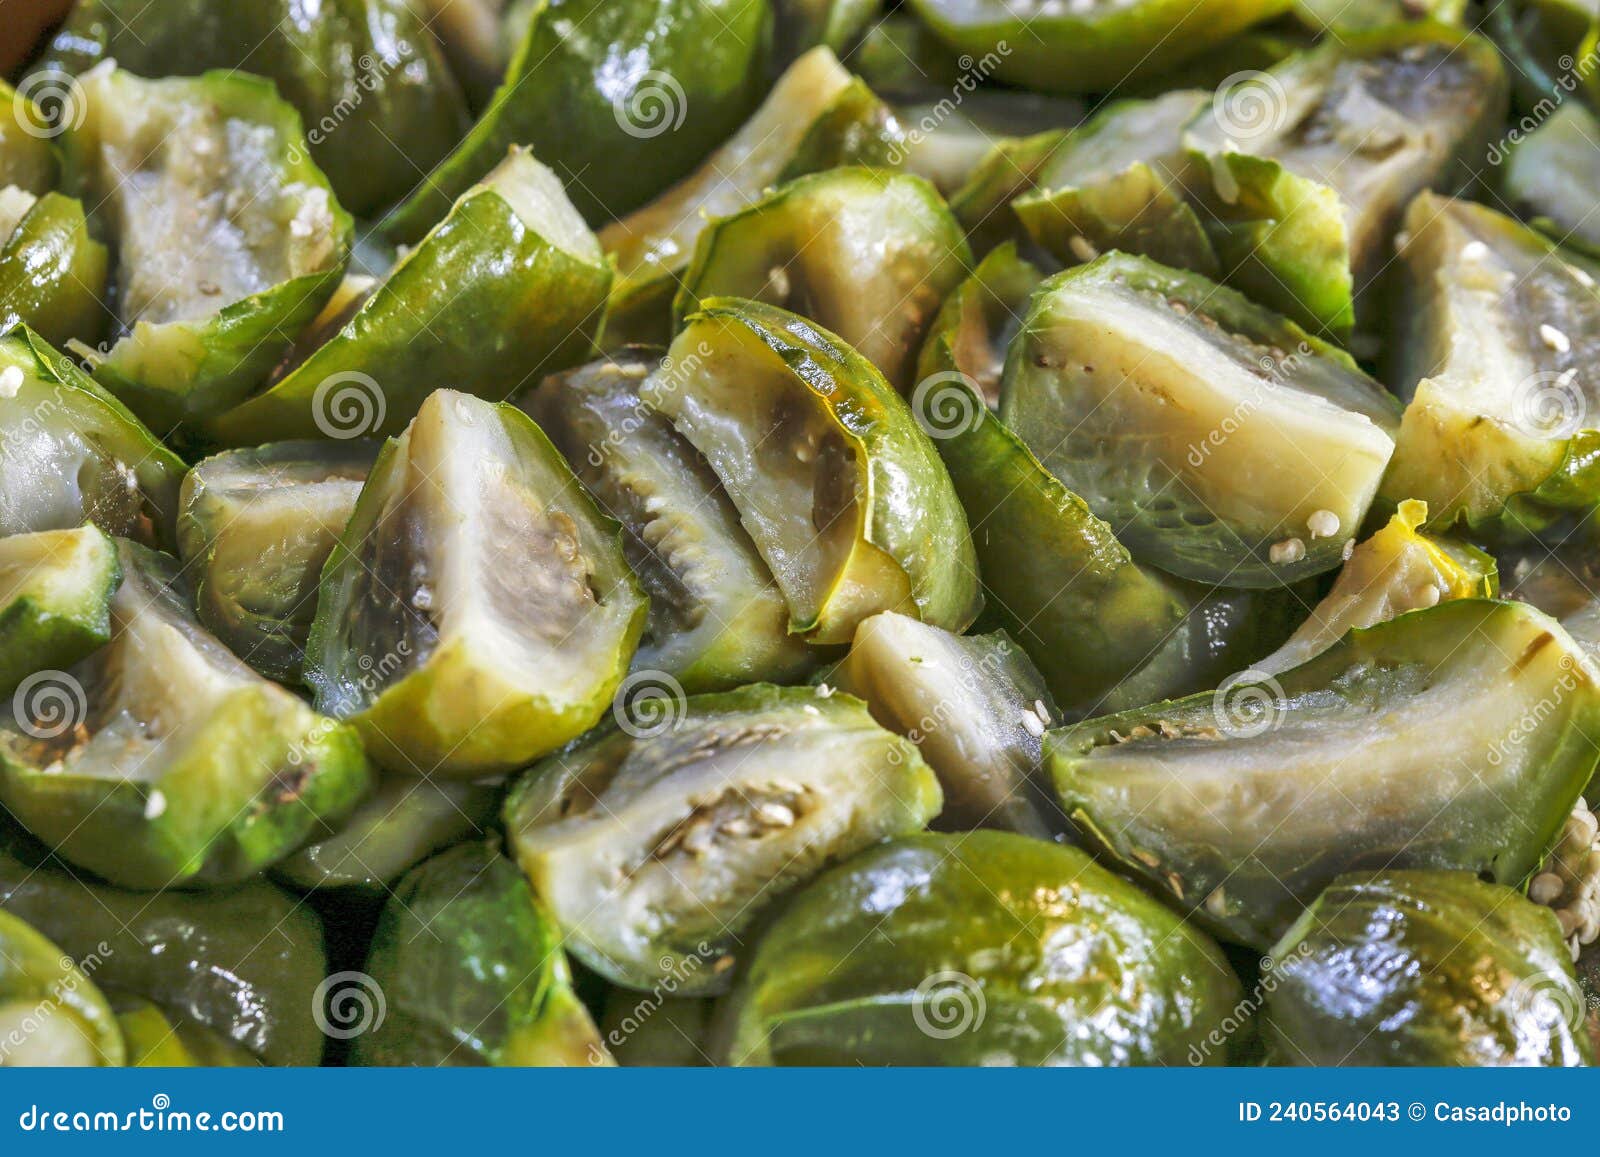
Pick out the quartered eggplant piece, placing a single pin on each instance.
(717, 618)
(477, 611)
(56, 588)
(1118, 182)
(28, 158)
(256, 528)
(1311, 164)
(402, 823)
(975, 326)
(843, 494)
(473, 973)
(1553, 176)
(1092, 47)
(975, 706)
(228, 238)
(51, 1014)
(1454, 737)
(156, 1040)
(527, 294)
(982, 949)
(1424, 968)
(1398, 569)
(867, 254)
(73, 454)
(1495, 357)
(619, 97)
(161, 760)
(817, 116)
(243, 963)
(657, 843)
(375, 95)
(52, 272)
(1221, 441)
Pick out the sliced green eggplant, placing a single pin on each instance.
(657, 843)
(155, 1040)
(1117, 182)
(869, 255)
(52, 272)
(717, 619)
(1089, 47)
(982, 949)
(228, 238)
(1498, 338)
(528, 287)
(619, 97)
(956, 136)
(472, 972)
(842, 493)
(256, 528)
(975, 706)
(1359, 15)
(55, 600)
(801, 25)
(1312, 163)
(1398, 569)
(1424, 968)
(976, 324)
(477, 611)
(243, 962)
(477, 38)
(162, 760)
(653, 1031)
(28, 158)
(378, 102)
(816, 116)
(404, 821)
(51, 1014)
(1553, 176)
(70, 453)
(901, 58)
(1453, 737)
(1223, 442)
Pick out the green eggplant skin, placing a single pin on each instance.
(1095, 49)
(73, 454)
(619, 97)
(55, 600)
(257, 527)
(53, 273)
(987, 948)
(978, 320)
(528, 292)
(28, 156)
(658, 842)
(51, 1014)
(378, 103)
(154, 1040)
(1105, 384)
(1424, 968)
(805, 433)
(1408, 744)
(472, 972)
(243, 962)
(1553, 175)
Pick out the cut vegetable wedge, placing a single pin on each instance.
(52, 272)
(51, 1014)
(55, 600)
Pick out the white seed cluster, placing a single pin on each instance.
(1568, 881)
